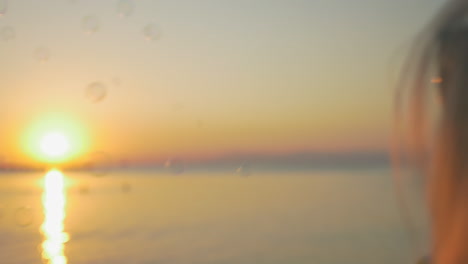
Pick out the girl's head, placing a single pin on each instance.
(441, 54)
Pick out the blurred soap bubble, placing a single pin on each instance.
(244, 170)
(116, 81)
(24, 216)
(425, 260)
(42, 54)
(126, 187)
(200, 123)
(3, 163)
(84, 189)
(174, 166)
(90, 24)
(124, 164)
(7, 33)
(177, 107)
(125, 8)
(99, 163)
(151, 32)
(3, 7)
(95, 92)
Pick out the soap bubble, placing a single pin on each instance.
(96, 92)
(200, 123)
(41, 54)
(177, 107)
(425, 260)
(244, 170)
(126, 187)
(124, 163)
(99, 163)
(90, 24)
(3, 163)
(174, 166)
(116, 81)
(125, 8)
(23, 216)
(7, 33)
(84, 189)
(151, 32)
(3, 7)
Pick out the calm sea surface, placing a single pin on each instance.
(329, 217)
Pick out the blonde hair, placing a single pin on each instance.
(440, 153)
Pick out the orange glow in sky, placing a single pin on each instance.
(217, 85)
(55, 138)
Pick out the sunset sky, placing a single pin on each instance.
(263, 76)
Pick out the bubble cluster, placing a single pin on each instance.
(90, 24)
(3, 7)
(99, 163)
(125, 8)
(151, 32)
(174, 166)
(7, 33)
(96, 92)
(42, 54)
(24, 216)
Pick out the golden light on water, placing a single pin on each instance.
(54, 202)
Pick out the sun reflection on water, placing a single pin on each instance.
(54, 201)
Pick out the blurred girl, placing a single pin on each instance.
(441, 55)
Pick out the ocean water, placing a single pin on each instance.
(323, 217)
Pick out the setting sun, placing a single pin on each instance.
(55, 138)
(55, 144)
